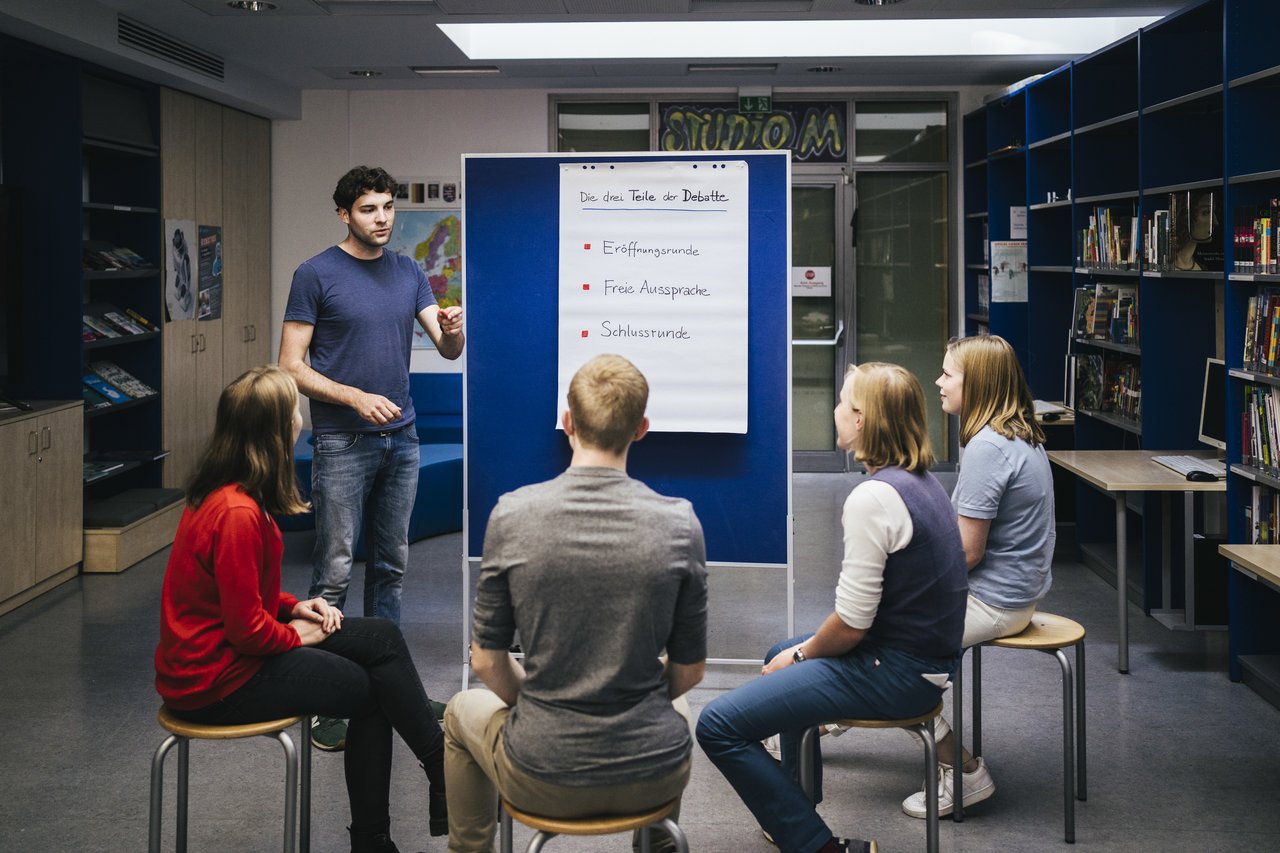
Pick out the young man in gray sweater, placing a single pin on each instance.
(605, 581)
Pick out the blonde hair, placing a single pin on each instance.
(607, 399)
(895, 431)
(252, 443)
(995, 390)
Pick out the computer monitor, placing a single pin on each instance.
(1213, 404)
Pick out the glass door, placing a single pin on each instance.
(820, 287)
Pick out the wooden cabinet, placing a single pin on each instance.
(246, 237)
(41, 501)
(216, 164)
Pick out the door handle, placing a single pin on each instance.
(33, 443)
(834, 342)
(48, 438)
(201, 342)
(195, 345)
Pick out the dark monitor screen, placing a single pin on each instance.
(1213, 404)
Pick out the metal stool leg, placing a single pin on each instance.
(1081, 784)
(930, 786)
(184, 768)
(644, 840)
(957, 738)
(539, 840)
(1068, 748)
(504, 823)
(806, 762)
(304, 804)
(677, 834)
(157, 792)
(290, 791)
(975, 748)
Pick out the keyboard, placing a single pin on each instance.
(1186, 464)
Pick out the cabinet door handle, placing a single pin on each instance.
(33, 443)
(195, 345)
(47, 433)
(253, 331)
(201, 342)
(244, 334)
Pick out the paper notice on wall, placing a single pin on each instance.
(811, 281)
(1018, 222)
(653, 267)
(1008, 270)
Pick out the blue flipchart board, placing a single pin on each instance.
(739, 484)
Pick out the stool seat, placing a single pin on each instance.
(297, 827)
(199, 731)
(889, 724)
(595, 825)
(1046, 631)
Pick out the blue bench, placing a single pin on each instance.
(437, 508)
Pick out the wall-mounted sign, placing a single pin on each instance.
(811, 281)
(814, 132)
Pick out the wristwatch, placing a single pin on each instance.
(798, 655)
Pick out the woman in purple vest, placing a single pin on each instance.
(893, 640)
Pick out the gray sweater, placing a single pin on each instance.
(599, 574)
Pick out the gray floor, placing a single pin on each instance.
(1180, 759)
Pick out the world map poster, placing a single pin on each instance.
(433, 238)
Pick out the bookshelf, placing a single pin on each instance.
(1112, 136)
(1250, 91)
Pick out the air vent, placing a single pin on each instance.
(139, 36)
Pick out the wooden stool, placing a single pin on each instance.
(183, 732)
(923, 725)
(549, 827)
(1050, 634)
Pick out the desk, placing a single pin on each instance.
(1119, 472)
(1252, 632)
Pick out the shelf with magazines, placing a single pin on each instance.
(975, 280)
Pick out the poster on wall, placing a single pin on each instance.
(209, 296)
(1009, 270)
(653, 267)
(433, 238)
(179, 284)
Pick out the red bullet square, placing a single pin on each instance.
(586, 246)
(586, 287)
(584, 333)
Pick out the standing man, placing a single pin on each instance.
(599, 574)
(352, 309)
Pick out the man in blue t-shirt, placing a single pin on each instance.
(351, 309)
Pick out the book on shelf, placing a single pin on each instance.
(1261, 516)
(1109, 240)
(1122, 387)
(1259, 422)
(93, 399)
(1262, 330)
(1255, 239)
(97, 256)
(87, 333)
(1106, 312)
(123, 323)
(100, 326)
(108, 391)
(141, 321)
(984, 294)
(1087, 386)
(121, 379)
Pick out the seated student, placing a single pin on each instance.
(599, 574)
(1004, 500)
(892, 643)
(236, 649)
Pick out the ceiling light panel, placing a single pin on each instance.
(779, 39)
(220, 8)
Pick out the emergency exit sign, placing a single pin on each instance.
(755, 103)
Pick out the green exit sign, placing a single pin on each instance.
(755, 103)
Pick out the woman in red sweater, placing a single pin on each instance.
(235, 649)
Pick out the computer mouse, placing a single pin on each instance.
(1201, 477)
(1050, 416)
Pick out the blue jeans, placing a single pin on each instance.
(364, 478)
(363, 672)
(869, 682)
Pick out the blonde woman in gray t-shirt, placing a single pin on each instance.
(1004, 506)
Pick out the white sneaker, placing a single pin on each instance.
(773, 746)
(978, 785)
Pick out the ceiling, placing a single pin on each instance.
(265, 59)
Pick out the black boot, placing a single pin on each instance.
(376, 841)
(437, 805)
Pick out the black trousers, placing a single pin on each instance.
(363, 673)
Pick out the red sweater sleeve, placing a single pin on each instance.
(238, 548)
(221, 605)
